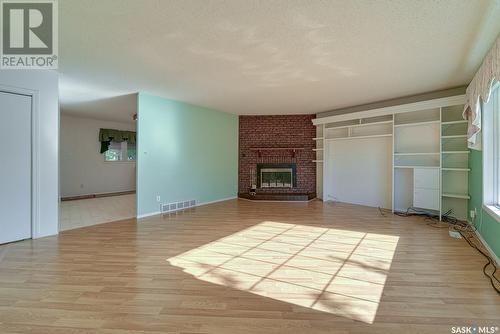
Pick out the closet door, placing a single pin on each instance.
(15, 167)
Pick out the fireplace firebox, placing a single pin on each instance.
(271, 176)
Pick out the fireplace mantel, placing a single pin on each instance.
(291, 149)
(276, 148)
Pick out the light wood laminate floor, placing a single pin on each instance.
(244, 267)
(92, 211)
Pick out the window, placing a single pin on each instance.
(123, 151)
(491, 154)
(131, 153)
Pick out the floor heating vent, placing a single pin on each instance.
(172, 207)
(165, 207)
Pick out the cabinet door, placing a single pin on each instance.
(427, 178)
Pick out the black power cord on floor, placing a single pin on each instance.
(461, 227)
(490, 262)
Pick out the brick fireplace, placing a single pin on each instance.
(275, 155)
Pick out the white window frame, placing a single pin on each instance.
(124, 150)
(491, 153)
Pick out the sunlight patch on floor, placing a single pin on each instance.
(331, 270)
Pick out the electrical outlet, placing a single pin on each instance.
(158, 198)
(473, 214)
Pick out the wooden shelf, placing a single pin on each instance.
(276, 148)
(317, 149)
(317, 161)
(358, 125)
(457, 169)
(417, 123)
(292, 150)
(454, 122)
(417, 167)
(456, 196)
(454, 136)
(456, 152)
(360, 137)
(418, 153)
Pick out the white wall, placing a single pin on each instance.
(360, 171)
(83, 169)
(44, 85)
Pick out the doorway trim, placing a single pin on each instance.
(35, 159)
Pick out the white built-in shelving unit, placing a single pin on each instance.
(455, 162)
(320, 141)
(429, 154)
(417, 160)
(363, 128)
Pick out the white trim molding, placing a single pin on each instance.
(485, 245)
(490, 140)
(422, 105)
(43, 87)
(146, 215)
(492, 211)
(217, 201)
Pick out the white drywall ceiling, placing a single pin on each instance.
(267, 57)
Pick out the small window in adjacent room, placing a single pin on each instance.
(120, 152)
(491, 154)
(131, 153)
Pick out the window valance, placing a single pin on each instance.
(106, 136)
(479, 91)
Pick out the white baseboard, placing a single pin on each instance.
(149, 215)
(274, 201)
(157, 213)
(485, 244)
(96, 195)
(217, 201)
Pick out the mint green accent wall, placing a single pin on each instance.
(184, 152)
(487, 226)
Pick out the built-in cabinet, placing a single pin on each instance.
(429, 152)
(426, 188)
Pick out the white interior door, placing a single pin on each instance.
(359, 171)
(15, 167)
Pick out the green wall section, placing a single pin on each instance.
(184, 152)
(487, 226)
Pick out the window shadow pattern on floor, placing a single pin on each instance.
(330, 270)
